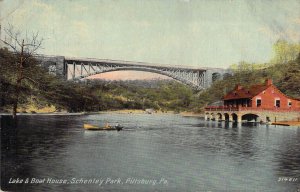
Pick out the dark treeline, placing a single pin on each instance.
(160, 95)
(39, 88)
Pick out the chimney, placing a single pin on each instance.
(238, 87)
(269, 82)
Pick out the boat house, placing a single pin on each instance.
(259, 103)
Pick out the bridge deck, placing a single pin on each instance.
(137, 63)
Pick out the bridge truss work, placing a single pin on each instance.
(76, 69)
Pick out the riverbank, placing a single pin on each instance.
(124, 111)
(120, 111)
(54, 113)
(191, 114)
(140, 111)
(137, 111)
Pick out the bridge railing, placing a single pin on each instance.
(241, 108)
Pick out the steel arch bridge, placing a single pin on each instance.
(74, 69)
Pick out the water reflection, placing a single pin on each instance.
(191, 153)
(24, 140)
(288, 156)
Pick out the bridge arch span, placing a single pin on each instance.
(129, 69)
(173, 75)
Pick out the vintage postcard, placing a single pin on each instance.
(150, 95)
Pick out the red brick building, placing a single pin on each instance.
(263, 96)
(263, 101)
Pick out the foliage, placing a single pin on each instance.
(286, 76)
(48, 89)
(285, 51)
(21, 61)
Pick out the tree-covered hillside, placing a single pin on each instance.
(284, 72)
(42, 89)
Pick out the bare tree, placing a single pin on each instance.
(24, 48)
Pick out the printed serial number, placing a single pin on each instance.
(287, 179)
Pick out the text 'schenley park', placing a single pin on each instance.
(150, 95)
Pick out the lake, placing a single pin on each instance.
(157, 152)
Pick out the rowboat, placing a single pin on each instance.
(91, 127)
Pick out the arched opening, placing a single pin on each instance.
(250, 117)
(234, 117)
(216, 77)
(86, 72)
(226, 115)
(128, 75)
(207, 116)
(212, 117)
(219, 117)
(82, 72)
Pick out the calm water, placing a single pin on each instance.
(153, 153)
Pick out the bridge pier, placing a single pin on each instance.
(230, 118)
(223, 117)
(54, 64)
(239, 118)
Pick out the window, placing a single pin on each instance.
(277, 103)
(258, 102)
(289, 103)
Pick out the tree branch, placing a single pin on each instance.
(11, 46)
(28, 78)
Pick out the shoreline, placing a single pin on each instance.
(191, 114)
(36, 114)
(119, 111)
(137, 111)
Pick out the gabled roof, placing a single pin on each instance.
(245, 93)
(248, 93)
(289, 97)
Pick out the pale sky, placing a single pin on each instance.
(203, 33)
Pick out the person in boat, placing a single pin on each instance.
(118, 127)
(107, 126)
